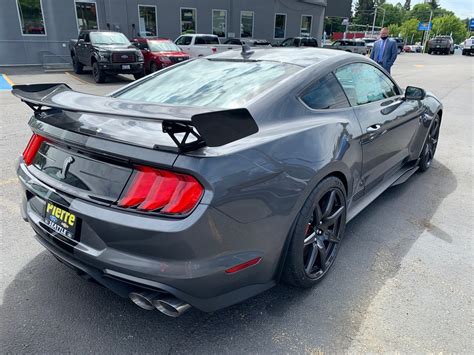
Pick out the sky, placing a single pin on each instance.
(462, 8)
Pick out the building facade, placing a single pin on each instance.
(38, 31)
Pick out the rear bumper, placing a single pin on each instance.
(126, 252)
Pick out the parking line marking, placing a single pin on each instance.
(5, 82)
(5, 76)
(75, 77)
(8, 181)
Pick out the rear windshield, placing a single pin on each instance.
(156, 46)
(210, 83)
(108, 38)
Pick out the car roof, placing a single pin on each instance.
(157, 39)
(302, 56)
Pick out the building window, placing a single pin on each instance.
(31, 17)
(188, 20)
(280, 26)
(306, 22)
(86, 13)
(147, 24)
(246, 24)
(219, 23)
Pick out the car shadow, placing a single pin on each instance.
(47, 308)
(87, 77)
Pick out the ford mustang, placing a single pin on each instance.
(210, 181)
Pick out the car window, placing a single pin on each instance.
(326, 93)
(206, 40)
(337, 43)
(364, 83)
(184, 40)
(211, 83)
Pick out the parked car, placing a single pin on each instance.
(369, 42)
(468, 46)
(299, 42)
(159, 53)
(212, 181)
(349, 45)
(107, 52)
(441, 44)
(412, 48)
(251, 42)
(400, 43)
(201, 45)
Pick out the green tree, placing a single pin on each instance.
(409, 30)
(449, 24)
(364, 12)
(394, 14)
(395, 30)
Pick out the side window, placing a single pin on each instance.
(186, 40)
(87, 38)
(179, 41)
(199, 40)
(363, 83)
(326, 93)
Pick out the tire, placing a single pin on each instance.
(463, 52)
(99, 75)
(153, 67)
(399, 51)
(139, 75)
(429, 148)
(429, 51)
(78, 67)
(313, 237)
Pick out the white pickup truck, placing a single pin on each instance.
(468, 46)
(201, 45)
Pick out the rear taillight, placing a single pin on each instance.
(161, 191)
(32, 148)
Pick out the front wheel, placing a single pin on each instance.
(98, 74)
(78, 67)
(429, 149)
(317, 234)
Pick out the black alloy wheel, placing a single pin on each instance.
(317, 234)
(76, 65)
(430, 146)
(322, 235)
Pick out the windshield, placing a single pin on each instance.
(108, 38)
(211, 83)
(156, 46)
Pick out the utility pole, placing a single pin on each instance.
(383, 17)
(427, 33)
(373, 23)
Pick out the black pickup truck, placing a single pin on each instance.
(108, 53)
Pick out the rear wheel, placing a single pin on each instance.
(317, 234)
(139, 75)
(97, 73)
(429, 149)
(77, 66)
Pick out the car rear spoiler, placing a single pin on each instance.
(197, 126)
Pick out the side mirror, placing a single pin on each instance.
(80, 40)
(414, 93)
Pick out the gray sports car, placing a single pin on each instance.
(208, 182)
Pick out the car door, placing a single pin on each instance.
(388, 122)
(86, 50)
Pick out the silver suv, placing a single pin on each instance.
(350, 45)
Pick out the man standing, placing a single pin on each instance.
(385, 50)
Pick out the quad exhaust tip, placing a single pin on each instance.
(166, 304)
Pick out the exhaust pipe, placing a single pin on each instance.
(171, 306)
(144, 299)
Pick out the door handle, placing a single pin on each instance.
(374, 128)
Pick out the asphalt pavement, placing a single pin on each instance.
(403, 280)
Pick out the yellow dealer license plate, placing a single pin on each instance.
(61, 220)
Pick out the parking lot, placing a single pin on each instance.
(402, 281)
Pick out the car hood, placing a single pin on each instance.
(115, 47)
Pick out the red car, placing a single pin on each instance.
(159, 53)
